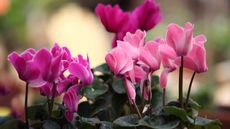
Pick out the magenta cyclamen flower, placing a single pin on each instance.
(113, 18)
(71, 100)
(144, 17)
(80, 68)
(26, 67)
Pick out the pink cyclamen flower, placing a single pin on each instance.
(71, 100)
(149, 55)
(180, 42)
(118, 61)
(196, 59)
(180, 38)
(80, 68)
(26, 67)
(132, 42)
(113, 18)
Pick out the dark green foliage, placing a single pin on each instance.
(107, 107)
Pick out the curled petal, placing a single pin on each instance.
(71, 101)
(164, 77)
(43, 60)
(81, 72)
(130, 90)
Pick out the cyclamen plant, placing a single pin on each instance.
(124, 93)
(44, 69)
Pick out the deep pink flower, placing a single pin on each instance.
(80, 68)
(146, 16)
(71, 100)
(118, 61)
(50, 66)
(113, 18)
(180, 38)
(26, 68)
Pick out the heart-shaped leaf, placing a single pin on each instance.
(159, 122)
(118, 87)
(96, 89)
(127, 121)
(13, 124)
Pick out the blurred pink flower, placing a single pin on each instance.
(113, 18)
(144, 17)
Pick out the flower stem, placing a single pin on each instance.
(26, 104)
(164, 91)
(51, 103)
(190, 87)
(181, 82)
(137, 109)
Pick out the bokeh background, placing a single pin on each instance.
(73, 23)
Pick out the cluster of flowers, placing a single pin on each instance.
(135, 60)
(46, 69)
(144, 17)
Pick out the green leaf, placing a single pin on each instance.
(96, 89)
(178, 112)
(207, 123)
(127, 121)
(13, 124)
(48, 124)
(103, 68)
(105, 125)
(118, 87)
(159, 122)
(87, 123)
(37, 112)
(193, 104)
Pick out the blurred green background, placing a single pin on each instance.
(73, 23)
